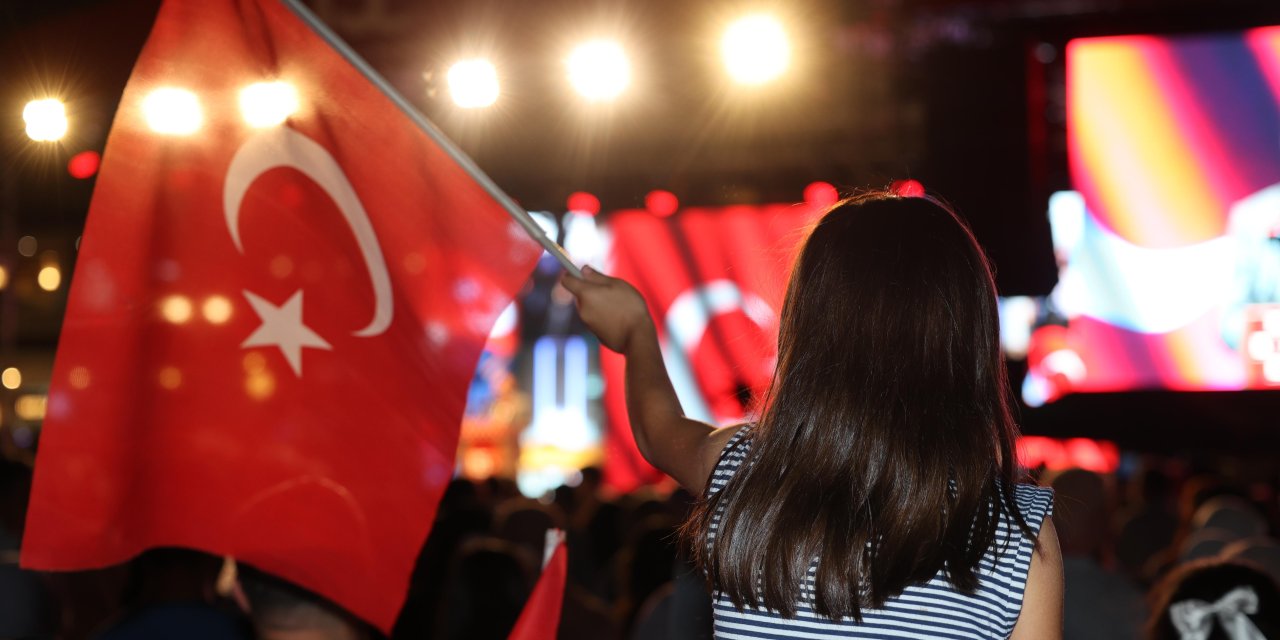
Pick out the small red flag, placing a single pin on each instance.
(281, 295)
(540, 618)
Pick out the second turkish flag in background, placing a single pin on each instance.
(272, 325)
(714, 280)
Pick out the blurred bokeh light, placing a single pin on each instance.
(755, 49)
(267, 104)
(84, 165)
(599, 70)
(473, 84)
(172, 111)
(46, 119)
(49, 278)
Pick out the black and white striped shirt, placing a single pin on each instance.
(931, 610)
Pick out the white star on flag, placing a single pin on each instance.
(282, 327)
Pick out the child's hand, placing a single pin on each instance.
(610, 307)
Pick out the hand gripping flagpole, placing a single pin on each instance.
(517, 212)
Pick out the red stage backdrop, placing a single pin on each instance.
(714, 280)
(272, 325)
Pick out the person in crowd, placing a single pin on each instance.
(1215, 600)
(280, 610)
(1149, 525)
(1099, 603)
(878, 490)
(172, 592)
(487, 587)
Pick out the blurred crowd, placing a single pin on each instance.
(1134, 544)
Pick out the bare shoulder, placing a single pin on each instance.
(1041, 615)
(712, 445)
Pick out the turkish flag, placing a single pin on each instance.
(714, 279)
(272, 325)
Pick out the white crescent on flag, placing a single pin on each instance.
(283, 147)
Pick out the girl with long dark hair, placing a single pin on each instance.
(877, 494)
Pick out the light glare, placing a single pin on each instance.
(176, 309)
(267, 104)
(473, 84)
(755, 49)
(599, 70)
(11, 378)
(216, 309)
(172, 111)
(31, 407)
(46, 119)
(49, 278)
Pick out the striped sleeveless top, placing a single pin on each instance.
(931, 610)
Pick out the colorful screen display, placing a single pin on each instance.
(1169, 244)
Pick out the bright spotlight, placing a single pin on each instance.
(267, 104)
(755, 49)
(172, 111)
(473, 83)
(599, 70)
(46, 119)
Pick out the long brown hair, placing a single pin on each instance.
(885, 447)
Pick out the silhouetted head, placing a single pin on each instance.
(893, 294)
(281, 610)
(890, 398)
(1215, 582)
(1082, 512)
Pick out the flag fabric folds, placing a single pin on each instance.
(714, 279)
(280, 297)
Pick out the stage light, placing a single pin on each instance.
(755, 49)
(11, 378)
(267, 104)
(49, 278)
(661, 203)
(821, 194)
(473, 84)
(84, 164)
(216, 309)
(27, 246)
(4, 277)
(176, 309)
(31, 407)
(599, 70)
(46, 119)
(172, 111)
(907, 188)
(583, 202)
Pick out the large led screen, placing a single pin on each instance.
(1169, 245)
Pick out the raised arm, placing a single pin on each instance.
(681, 448)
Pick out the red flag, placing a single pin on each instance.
(540, 618)
(272, 326)
(714, 280)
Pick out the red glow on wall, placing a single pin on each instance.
(84, 165)
(1099, 456)
(583, 202)
(907, 188)
(661, 203)
(821, 194)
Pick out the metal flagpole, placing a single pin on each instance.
(517, 212)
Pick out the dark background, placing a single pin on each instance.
(966, 97)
